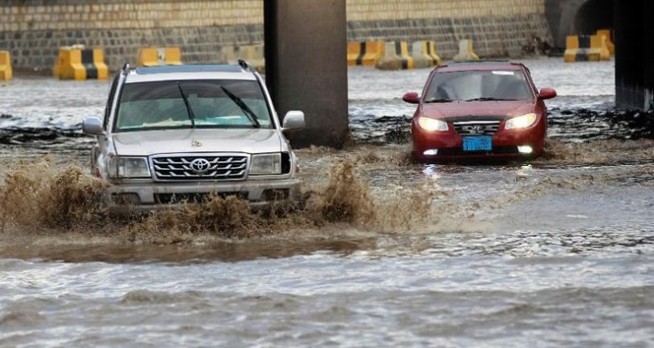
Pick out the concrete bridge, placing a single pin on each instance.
(305, 41)
(292, 66)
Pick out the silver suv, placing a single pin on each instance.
(175, 134)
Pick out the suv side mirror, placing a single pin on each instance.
(92, 126)
(293, 119)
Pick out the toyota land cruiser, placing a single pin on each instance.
(175, 134)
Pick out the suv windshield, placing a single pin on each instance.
(478, 85)
(211, 104)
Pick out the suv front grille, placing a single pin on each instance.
(205, 167)
(477, 127)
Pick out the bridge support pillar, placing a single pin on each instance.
(634, 54)
(306, 66)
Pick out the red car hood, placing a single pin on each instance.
(477, 108)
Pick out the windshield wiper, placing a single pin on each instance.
(189, 110)
(438, 100)
(246, 109)
(487, 99)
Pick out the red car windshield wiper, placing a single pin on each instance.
(487, 99)
(438, 100)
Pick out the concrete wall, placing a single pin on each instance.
(34, 30)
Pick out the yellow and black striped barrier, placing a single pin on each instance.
(586, 48)
(396, 57)
(354, 49)
(79, 63)
(365, 53)
(6, 73)
(153, 56)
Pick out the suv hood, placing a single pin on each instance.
(148, 143)
(478, 108)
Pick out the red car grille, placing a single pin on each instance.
(477, 127)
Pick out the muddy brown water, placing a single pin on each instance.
(553, 252)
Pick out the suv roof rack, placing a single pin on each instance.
(125, 69)
(189, 68)
(245, 65)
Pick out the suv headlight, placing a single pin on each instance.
(432, 125)
(521, 122)
(128, 167)
(270, 163)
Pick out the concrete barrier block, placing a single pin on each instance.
(424, 54)
(573, 50)
(396, 57)
(354, 49)
(598, 49)
(371, 53)
(466, 52)
(6, 73)
(69, 64)
(584, 48)
(609, 39)
(97, 63)
(154, 56)
(79, 63)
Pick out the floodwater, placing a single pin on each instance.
(557, 252)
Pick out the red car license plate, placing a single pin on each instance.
(477, 143)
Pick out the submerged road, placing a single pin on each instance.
(550, 253)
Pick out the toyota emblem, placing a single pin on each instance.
(200, 165)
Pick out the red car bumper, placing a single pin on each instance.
(443, 146)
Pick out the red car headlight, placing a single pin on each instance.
(521, 122)
(432, 125)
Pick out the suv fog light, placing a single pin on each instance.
(430, 152)
(526, 149)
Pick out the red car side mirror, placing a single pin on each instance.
(547, 93)
(411, 97)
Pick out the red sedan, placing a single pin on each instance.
(479, 110)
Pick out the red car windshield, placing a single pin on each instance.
(474, 85)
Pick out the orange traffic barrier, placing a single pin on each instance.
(79, 63)
(580, 48)
(609, 39)
(365, 53)
(153, 56)
(6, 73)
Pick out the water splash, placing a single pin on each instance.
(43, 200)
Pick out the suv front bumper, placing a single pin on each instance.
(141, 196)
